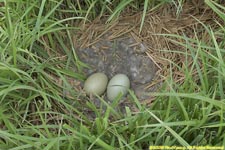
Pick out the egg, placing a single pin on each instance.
(96, 84)
(120, 83)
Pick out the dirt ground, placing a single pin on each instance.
(158, 51)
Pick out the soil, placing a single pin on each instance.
(121, 55)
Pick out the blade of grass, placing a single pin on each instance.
(144, 14)
(178, 137)
(118, 9)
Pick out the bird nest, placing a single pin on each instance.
(146, 56)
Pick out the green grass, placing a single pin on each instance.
(36, 48)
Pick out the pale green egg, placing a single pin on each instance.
(96, 84)
(119, 84)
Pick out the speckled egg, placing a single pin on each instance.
(120, 83)
(96, 84)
